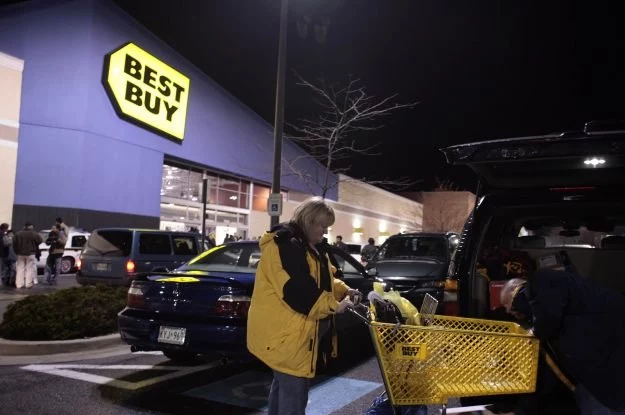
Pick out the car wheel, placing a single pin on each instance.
(67, 264)
(180, 356)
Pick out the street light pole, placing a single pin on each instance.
(278, 124)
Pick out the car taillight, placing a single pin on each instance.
(78, 264)
(135, 297)
(232, 306)
(451, 285)
(130, 266)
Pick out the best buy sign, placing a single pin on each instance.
(147, 91)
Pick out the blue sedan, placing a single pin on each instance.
(201, 308)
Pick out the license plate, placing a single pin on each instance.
(101, 267)
(171, 335)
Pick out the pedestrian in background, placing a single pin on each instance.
(56, 240)
(26, 244)
(368, 251)
(290, 321)
(340, 244)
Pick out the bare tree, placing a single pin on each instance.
(335, 135)
(446, 209)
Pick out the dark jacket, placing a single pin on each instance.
(26, 242)
(584, 323)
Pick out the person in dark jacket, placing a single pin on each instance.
(26, 245)
(6, 243)
(295, 297)
(340, 244)
(368, 251)
(583, 324)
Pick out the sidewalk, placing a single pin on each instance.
(28, 352)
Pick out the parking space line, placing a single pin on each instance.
(72, 372)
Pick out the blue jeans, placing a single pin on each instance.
(7, 271)
(288, 395)
(53, 267)
(588, 405)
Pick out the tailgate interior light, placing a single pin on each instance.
(594, 161)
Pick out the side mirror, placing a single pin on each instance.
(372, 272)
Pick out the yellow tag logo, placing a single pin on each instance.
(411, 351)
(179, 279)
(147, 91)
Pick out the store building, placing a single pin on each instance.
(115, 128)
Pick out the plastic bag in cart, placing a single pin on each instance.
(382, 406)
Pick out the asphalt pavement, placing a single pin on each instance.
(49, 375)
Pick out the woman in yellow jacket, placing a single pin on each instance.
(295, 296)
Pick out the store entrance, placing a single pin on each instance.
(227, 210)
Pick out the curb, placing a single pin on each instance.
(36, 348)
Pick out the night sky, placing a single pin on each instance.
(479, 69)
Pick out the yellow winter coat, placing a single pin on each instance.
(288, 302)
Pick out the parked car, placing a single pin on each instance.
(555, 201)
(354, 250)
(416, 264)
(76, 241)
(117, 255)
(201, 307)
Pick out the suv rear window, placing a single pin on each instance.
(184, 245)
(154, 244)
(406, 247)
(109, 243)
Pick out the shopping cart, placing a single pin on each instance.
(451, 357)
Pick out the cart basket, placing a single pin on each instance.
(454, 357)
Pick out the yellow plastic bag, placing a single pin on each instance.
(408, 310)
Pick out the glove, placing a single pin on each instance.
(344, 304)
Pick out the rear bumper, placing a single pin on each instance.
(83, 279)
(200, 338)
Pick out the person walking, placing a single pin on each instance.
(26, 243)
(290, 320)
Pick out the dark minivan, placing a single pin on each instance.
(116, 255)
(554, 201)
(416, 264)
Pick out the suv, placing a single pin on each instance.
(76, 240)
(416, 264)
(555, 200)
(117, 255)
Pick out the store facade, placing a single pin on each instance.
(117, 129)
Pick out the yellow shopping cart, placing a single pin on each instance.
(452, 357)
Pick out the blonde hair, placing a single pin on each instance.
(313, 210)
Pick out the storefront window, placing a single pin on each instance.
(182, 189)
(228, 198)
(259, 200)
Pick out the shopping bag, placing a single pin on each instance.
(382, 406)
